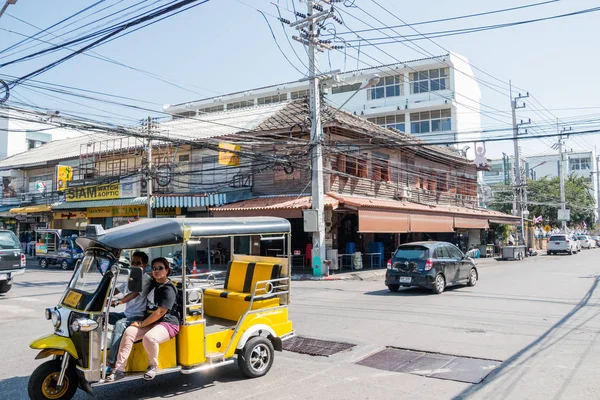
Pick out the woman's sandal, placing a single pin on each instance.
(150, 373)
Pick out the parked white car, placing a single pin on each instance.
(586, 242)
(561, 244)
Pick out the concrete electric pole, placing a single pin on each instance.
(561, 172)
(308, 27)
(517, 166)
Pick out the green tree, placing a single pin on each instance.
(543, 198)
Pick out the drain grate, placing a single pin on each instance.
(315, 347)
(431, 365)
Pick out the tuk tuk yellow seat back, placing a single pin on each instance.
(241, 278)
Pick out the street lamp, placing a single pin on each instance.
(6, 4)
(532, 172)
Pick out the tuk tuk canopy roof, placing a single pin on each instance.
(154, 232)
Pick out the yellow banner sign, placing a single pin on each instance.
(167, 211)
(227, 157)
(122, 211)
(96, 192)
(69, 215)
(64, 174)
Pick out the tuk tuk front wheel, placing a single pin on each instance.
(64, 265)
(42, 383)
(256, 358)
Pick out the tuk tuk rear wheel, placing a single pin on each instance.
(43, 263)
(42, 383)
(256, 358)
(64, 265)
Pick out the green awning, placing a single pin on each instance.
(76, 205)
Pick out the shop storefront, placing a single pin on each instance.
(373, 227)
(69, 220)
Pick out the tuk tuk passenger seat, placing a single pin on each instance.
(241, 278)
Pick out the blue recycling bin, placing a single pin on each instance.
(350, 248)
(377, 247)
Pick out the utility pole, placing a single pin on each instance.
(309, 28)
(597, 185)
(517, 166)
(561, 171)
(149, 126)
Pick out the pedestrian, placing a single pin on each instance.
(135, 307)
(160, 326)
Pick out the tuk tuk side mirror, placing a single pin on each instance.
(135, 280)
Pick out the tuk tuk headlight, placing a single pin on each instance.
(48, 313)
(83, 325)
(55, 317)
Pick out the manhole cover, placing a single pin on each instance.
(315, 347)
(431, 365)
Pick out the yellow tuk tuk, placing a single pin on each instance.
(239, 314)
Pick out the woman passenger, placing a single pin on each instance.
(158, 327)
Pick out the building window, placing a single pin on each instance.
(429, 81)
(272, 99)
(212, 109)
(345, 88)
(389, 86)
(352, 165)
(186, 114)
(381, 167)
(240, 104)
(390, 121)
(299, 94)
(184, 158)
(580, 163)
(33, 179)
(32, 144)
(431, 121)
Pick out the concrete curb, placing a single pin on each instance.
(366, 275)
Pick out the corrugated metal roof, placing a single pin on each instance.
(72, 205)
(60, 150)
(221, 123)
(358, 201)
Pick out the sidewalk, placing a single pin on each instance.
(367, 274)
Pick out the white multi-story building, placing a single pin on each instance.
(24, 130)
(436, 99)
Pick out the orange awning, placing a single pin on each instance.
(378, 221)
(470, 223)
(431, 223)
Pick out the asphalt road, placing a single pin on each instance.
(540, 317)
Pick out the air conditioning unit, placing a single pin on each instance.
(406, 193)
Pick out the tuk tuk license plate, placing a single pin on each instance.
(72, 299)
(404, 279)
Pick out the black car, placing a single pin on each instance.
(432, 265)
(12, 259)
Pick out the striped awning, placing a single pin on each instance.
(215, 199)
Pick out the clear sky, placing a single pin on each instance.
(225, 46)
